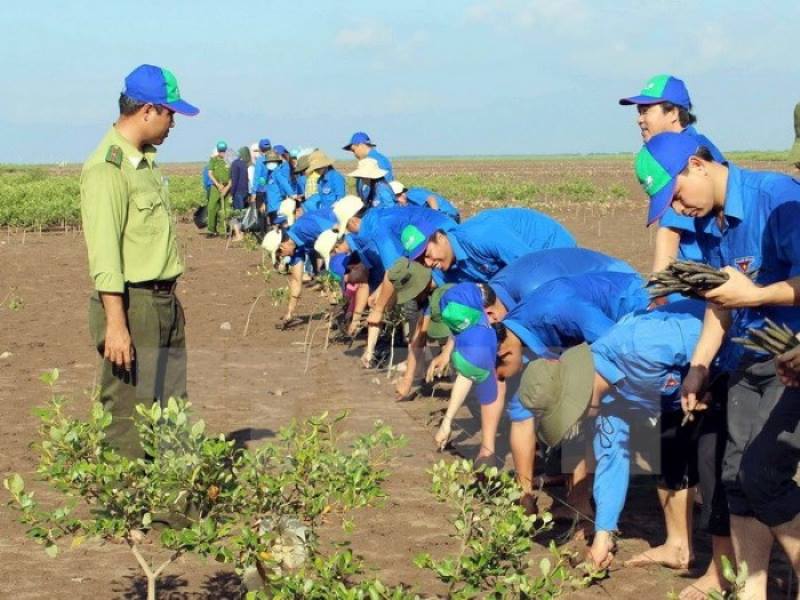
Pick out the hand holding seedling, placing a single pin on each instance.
(788, 366)
(442, 437)
(693, 391)
(738, 291)
(685, 277)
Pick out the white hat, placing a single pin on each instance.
(325, 243)
(346, 208)
(286, 208)
(397, 187)
(368, 169)
(271, 243)
(254, 147)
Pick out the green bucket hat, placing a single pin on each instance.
(558, 391)
(437, 329)
(409, 279)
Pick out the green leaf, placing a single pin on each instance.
(728, 571)
(198, 428)
(545, 566)
(15, 484)
(49, 377)
(147, 519)
(51, 550)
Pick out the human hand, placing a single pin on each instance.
(438, 367)
(601, 552)
(118, 347)
(403, 385)
(442, 437)
(692, 389)
(366, 359)
(738, 292)
(788, 367)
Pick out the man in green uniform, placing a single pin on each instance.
(135, 319)
(794, 153)
(220, 176)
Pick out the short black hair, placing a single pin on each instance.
(500, 331)
(488, 297)
(704, 153)
(685, 115)
(130, 106)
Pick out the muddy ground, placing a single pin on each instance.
(253, 385)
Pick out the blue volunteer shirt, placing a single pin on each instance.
(419, 197)
(207, 183)
(362, 185)
(689, 249)
(300, 185)
(282, 177)
(644, 357)
(570, 310)
(493, 239)
(330, 187)
(309, 226)
(760, 233)
(528, 272)
(259, 185)
(382, 228)
(377, 194)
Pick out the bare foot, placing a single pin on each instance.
(700, 589)
(672, 557)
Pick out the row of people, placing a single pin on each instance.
(596, 350)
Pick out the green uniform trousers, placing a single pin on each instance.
(217, 212)
(156, 324)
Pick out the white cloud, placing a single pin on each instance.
(365, 35)
(561, 16)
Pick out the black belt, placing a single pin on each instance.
(161, 286)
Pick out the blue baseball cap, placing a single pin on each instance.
(657, 165)
(280, 220)
(148, 83)
(264, 144)
(414, 238)
(475, 357)
(221, 146)
(458, 307)
(662, 88)
(280, 149)
(359, 137)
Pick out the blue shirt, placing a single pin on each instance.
(419, 197)
(493, 239)
(644, 357)
(377, 193)
(283, 179)
(381, 229)
(259, 184)
(207, 183)
(310, 225)
(362, 185)
(688, 249)
(570, 310)
(528, 272)
(299, 184)
(761, 232)
(330, 187)
(272, 189)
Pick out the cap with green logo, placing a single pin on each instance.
(409, 278)
(155, 85)
(657, 165)
(662, 88)
(414, 238)
(459, 307)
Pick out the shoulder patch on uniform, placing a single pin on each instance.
(114, 155)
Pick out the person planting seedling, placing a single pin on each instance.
(424, 197)
(631, 373)
(373, 188)
(299, 239)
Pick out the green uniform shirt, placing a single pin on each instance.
(219, 169)
(125, 210)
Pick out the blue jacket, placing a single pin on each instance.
(207, 183)
(644, 357)
(259, 184)
(688, 248)
(531, 270)
(310, 225)
(330, 187)
(283, 179)
(419, 197)
(493, 239)
(377, 194)
(570, 310)
(362, 185)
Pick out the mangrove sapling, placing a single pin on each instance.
(771, 339)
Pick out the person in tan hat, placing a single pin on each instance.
(374, 189)
(794, 153)
(330, 183)
(628, 376)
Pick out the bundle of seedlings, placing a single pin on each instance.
(685, 277)
(771, 339)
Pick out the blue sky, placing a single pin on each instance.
(422, 77)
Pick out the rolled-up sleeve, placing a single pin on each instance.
(104, 212)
